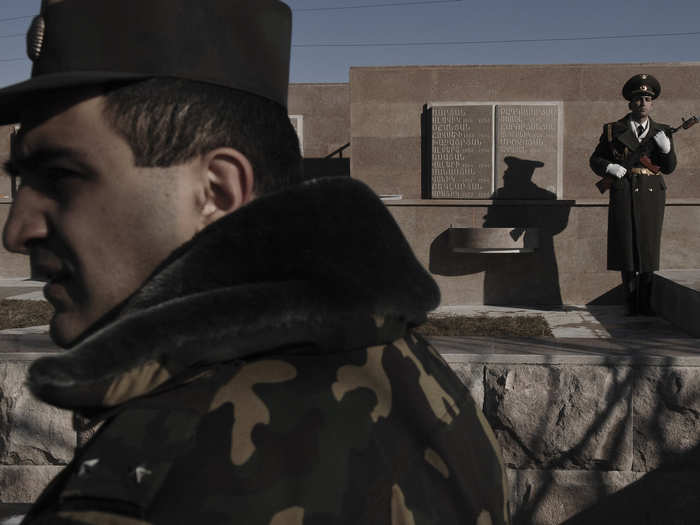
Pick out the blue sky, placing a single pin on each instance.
(332, 35)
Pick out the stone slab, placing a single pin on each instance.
(666, 418)
(26, 346)
(555, 417)
(527, 150)
(551, 497)
(650, 351)
(472, 375)
(23, 484)
(461, 151)
(31, 432)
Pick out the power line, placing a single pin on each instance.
(16, 18)
(367, 6)
(512, 41)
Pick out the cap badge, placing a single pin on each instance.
(644, 88)
(35, 37)
(644, 77)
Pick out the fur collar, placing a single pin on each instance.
(321, 264)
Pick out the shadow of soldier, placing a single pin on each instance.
(513, 278)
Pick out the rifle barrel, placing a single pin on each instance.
(687, 123)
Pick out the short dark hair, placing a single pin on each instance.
(168, 121)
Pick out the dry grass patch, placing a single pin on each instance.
(16, 313)
(20, 313)
(505, 326)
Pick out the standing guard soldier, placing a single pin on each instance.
(631, 155)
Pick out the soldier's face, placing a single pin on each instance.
(641, 107)
(94, 225)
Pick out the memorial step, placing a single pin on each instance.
(676, 298)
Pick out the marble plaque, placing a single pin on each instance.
(526, 150)
(298, 125)
(461, 155)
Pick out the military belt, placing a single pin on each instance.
(642, 171)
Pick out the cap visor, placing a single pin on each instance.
(15, 97)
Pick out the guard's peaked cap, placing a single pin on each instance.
(642, 84)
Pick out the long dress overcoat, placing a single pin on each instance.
(636, 211)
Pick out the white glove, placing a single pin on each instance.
(616, 170)
(663, 142)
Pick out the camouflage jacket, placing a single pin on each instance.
(266, 373)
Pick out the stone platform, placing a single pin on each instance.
(597, 424)
(601, 420)
(579, 420)
(676, 297)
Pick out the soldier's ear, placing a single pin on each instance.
(228, 183)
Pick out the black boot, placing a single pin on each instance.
(644, 291)
(630, 289)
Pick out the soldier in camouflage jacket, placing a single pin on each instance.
(241, 336)
(280, 387)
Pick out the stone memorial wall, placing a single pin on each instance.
(547, 120)
(469, 149)
(325, 117)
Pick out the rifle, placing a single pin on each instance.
(640, 155)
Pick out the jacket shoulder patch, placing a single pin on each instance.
(123, 467)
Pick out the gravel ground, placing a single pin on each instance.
(17, 313)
